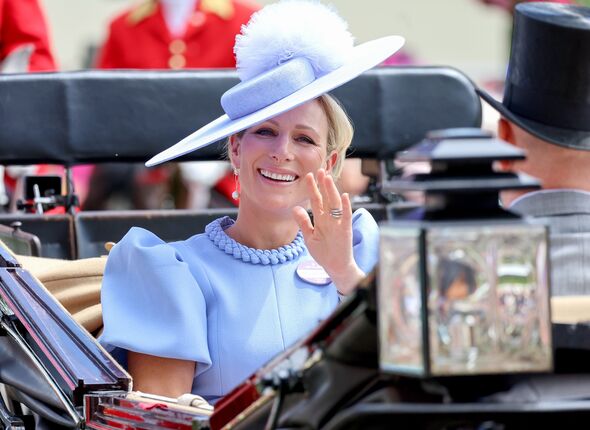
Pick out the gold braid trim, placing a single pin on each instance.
(222, 8)
(142, 11)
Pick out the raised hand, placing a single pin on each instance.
(329, 238)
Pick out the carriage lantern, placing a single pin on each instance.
(463, 285)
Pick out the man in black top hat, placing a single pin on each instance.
(546, 112)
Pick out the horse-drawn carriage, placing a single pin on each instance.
(54, 370)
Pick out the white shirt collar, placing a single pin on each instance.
(176, 14)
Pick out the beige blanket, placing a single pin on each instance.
(74, 283)
(570, 309)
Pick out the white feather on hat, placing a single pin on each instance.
(289, 29)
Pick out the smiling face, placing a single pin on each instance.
(274, 157)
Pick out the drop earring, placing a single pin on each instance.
(236, 193)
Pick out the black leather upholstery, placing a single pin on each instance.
(96, 116)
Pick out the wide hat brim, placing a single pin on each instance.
(363, 58)
(567, 138)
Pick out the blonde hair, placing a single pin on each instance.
(340, 131)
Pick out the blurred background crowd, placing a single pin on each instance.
(62, 35)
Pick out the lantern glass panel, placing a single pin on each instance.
(488, 304)
(400, 301)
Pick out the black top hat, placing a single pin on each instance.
(547, 90)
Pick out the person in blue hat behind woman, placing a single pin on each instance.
(202, 314)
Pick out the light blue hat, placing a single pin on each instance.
(289, 53)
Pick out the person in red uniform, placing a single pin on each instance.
(22, 22)
(172, 34)
(176, 34)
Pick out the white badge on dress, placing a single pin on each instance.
(311, 272)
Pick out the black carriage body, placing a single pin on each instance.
(48, 360)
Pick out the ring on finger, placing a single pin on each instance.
(336, 213)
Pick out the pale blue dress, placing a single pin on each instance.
(211, 300)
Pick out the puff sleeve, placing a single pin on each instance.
(365, 240)
(151, 302)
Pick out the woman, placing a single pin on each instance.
(210, 310)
